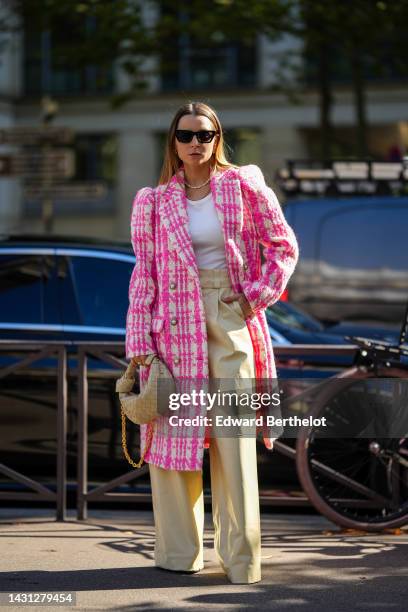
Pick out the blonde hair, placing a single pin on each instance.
(172, 162)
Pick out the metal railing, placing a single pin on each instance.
(104, 352)
(37, 351)
(112, 354)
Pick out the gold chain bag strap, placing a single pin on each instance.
(142, 408)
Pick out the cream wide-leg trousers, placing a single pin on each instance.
(178, 503)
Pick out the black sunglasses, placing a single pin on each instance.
(202, 135)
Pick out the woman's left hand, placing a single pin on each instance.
(243, 302)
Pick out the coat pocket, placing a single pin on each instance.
(157, 324)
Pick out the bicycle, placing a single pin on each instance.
(358, 481)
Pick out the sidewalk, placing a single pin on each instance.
(307, 564)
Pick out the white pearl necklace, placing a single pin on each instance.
(199, 186)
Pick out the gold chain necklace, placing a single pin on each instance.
(197, 186)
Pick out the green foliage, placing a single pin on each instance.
(350, 41)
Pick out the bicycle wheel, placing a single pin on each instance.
(358, 482)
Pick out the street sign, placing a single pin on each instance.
(66, 191)
(36, 135)
(59, 163)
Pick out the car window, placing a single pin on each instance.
(285, 314)
(102, 287)
(70, 312)
(28, 292)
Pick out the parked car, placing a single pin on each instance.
(289, 324)
(58, 288)
(350, 218)
(62, 289)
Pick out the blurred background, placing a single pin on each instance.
(289, 79)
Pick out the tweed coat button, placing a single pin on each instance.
(173, 285)
(176, 360)
(173, 321)
(245, 266)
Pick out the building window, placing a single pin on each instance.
(46, 65)
(196, 68)
(388, 69)
(216, 66)
(244, 145)
(96, 157)
(385, 142)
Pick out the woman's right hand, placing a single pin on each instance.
(139, 359)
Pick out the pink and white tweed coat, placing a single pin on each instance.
(166, 313)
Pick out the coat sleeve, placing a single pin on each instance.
(274, 233)
(142, 285)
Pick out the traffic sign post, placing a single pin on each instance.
(57, 163)
(66, 191)
(43, 167)
(36, 135)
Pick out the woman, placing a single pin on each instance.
(197, 299)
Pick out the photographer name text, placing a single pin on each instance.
(259, 421)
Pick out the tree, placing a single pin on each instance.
(365, 38)
(89, 32)
(351, 36)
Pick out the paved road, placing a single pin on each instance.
(307, 565)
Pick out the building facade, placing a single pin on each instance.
(123, 147)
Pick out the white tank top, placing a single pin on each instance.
(206, 233)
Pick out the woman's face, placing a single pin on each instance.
(194, 153)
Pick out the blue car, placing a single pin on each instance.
(297, 327)
(291, 325)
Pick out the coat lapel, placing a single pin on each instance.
(174, 215)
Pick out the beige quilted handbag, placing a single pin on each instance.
(142, 408)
